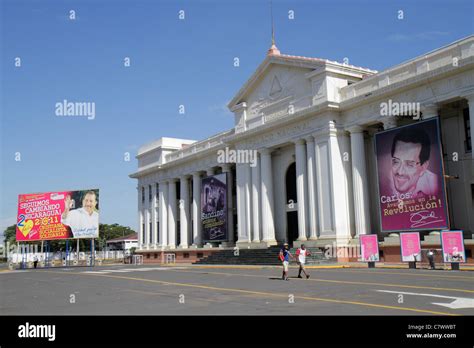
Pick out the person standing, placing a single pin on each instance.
(285, 259)
(35, 261)
(430, 255)
(301, 254)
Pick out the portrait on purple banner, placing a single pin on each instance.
(410, 178)
(214, 208)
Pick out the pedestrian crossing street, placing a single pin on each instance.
(129, 270)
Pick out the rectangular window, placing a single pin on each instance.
(149, 193)
(467, 130)
(157, 191)
(151, 234)
(143, 234)
(143, 194)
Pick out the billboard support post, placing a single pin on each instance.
(46, 255)
(67, 252)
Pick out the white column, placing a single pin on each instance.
(248, 201)
(230, 203)
(339, 185)
(153, 216)
(140, 218)
(172, 213)
(359, 181)
(311, 157)
(301, 187)
(184, 212)
(163, 214)
(242, 232)
(256, 183)
(197, 236)
(268, 227)
(147, 216)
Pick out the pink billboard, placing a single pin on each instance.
(369, 247)
(410, 246)
(452, 243)
(410, 176)
(58, 215)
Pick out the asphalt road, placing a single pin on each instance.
(198, 290)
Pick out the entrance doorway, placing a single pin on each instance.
(291, 204)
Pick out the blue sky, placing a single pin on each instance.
(173, 62)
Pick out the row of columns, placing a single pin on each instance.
(169, 208)
(255, 200)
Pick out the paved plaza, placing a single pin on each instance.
(221, 290)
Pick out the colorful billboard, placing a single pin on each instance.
(452, 243)
(410, 246)
(58, 215)
(410, 176)
(214, 208)
(369, 247)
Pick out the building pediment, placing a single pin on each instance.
(269, 74)
(284, 85)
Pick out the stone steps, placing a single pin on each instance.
(267, 256)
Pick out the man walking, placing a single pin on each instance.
(285, 259)
(301, 254)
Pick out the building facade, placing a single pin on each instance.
(308, 125)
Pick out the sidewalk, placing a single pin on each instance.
(358, 265)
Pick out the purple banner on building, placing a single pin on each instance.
(214, 208)
(411, 178)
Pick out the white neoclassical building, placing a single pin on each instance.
(311, 123)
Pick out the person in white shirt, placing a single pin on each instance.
(84, 222)
(301, 254)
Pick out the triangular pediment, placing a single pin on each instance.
(273, 68)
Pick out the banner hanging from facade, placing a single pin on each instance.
(452, 243)
(214, 208)
(369, 248)
(410, 245)
(410, 172)
(58, 215)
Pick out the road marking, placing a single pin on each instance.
(319, 299)
(458, 303)
(342, 282)
(129, 270)
(437, 276)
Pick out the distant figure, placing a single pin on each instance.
(301, 254)
(430, 254)
(35, 261)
